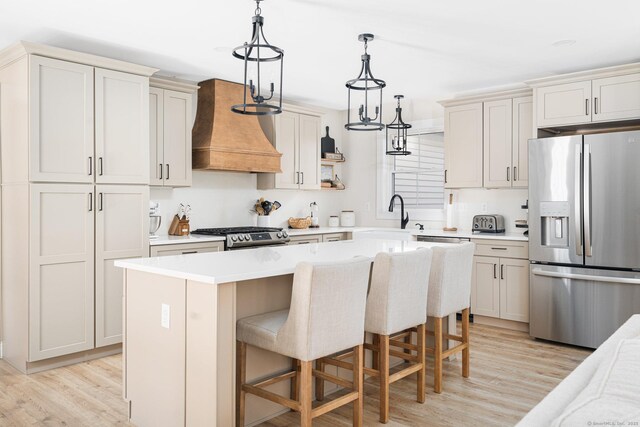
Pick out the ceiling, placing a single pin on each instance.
(425, 49)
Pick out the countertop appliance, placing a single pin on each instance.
(247, 237)
(488, 223)
(584, 229)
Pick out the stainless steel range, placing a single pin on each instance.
(247, 237)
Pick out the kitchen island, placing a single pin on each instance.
(180, 317)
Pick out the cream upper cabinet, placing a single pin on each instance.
(514, 289)
(309, 157)
(156, 129)
(564, 104)
(122, 230)
(61, 121)
(286, 134)
(522, 132)
(121, 127)
(463, 146)
(61, 292)
(498, 140)
(485, 286)
(616, 98)
(297, 137)
(170, 124)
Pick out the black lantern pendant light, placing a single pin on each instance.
(256, 54)
(369, 88)
(397, 138)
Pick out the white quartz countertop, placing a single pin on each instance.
(233, 266)
(194, 238)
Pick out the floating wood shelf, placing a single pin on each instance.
(331, 161)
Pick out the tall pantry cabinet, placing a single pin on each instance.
(75, 154)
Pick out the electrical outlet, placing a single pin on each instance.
(165, 320)
(367, 206)
(483, 208)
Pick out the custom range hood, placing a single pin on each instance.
(225, 141)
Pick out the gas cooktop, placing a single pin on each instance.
(246, 237)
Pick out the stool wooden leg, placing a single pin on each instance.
(319, 381)
(358, 385)
(437, 380)
(241, 360)
(421, 359)
(305, 393)
(407, 340)
(384, 378)
(294, 393)
(375, 358)
(465, 340)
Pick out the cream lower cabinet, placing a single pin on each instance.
(500, 281)
(303, 240)
(186, 248)
(170, 123)
(297, 137)
(75, 292)
(61, 270)
(122, 228)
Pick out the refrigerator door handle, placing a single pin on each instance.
(587, 200)
(578, 201)
(539, 272)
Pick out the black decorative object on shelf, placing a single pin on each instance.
(256, 54)
(364, 85)
(328, 144)
(397, 138)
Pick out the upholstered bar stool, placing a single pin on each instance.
(450, 292)
(326, 316)
(397, 301)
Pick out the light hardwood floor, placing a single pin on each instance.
(510, 373)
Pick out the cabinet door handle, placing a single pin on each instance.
(302, 174)
(161, 169)
(100, 166)
(90, 165)
(100, 202)
(508, 168)
(90, 202)
(167, 177)
(586, 107)
(515, 173)
(494, 272)
(445, 176)
(595, 105)
(297, 177)
(501, 271)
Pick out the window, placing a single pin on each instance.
(419, 177)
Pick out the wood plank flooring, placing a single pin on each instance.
(510, 373)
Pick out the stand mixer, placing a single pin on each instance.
(154, 219)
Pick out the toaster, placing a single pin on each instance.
(488, 223)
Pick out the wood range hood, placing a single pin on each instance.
(226, 141)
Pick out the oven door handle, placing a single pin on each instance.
(606, 279)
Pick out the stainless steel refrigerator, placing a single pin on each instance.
(584, 235)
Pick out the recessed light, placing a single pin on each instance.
(563, 43)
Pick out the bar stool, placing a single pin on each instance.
(397, 302)
(450, 292)
(326, 316)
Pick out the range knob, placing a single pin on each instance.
(279, 235)
(240, 237)
(284, 234)
(234, 238)
(247, 237)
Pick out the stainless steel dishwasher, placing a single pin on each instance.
(442, 239)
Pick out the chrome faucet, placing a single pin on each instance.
(404, 220)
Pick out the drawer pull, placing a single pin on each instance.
(499, 249)
(189, 252)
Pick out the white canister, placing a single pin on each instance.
(264, 221)
(347, 219)
(334, 221)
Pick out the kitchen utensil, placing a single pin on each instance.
(300, 223)
(275, 206)
(266, 205)
(328, 144)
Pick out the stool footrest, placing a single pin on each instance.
(334, 379)
(268, 395)
(336, 403)
(273, 380)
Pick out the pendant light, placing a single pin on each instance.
(258, 54)
(368, 89)
(397, 138)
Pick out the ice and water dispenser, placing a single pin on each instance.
(554, 217)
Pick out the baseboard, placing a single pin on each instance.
(501, 323)
(72, 359)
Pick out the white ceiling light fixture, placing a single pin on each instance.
(256, 54)
(361, 87)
